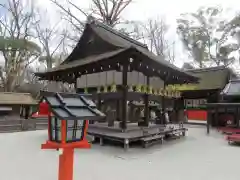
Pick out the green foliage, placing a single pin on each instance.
(86, 90)
(113, 88)
(205, 37)
(18, 45)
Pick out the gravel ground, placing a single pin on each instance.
(195, 157)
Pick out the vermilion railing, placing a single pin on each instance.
(197, 114)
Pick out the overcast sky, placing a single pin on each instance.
(142, 10)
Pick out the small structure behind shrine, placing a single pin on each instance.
(17, 104)
(227, 111)
(14, 108)
(212, 82)
(225, 115)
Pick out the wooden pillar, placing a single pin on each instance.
(21, 111)
(124, 98)
(75, 85)
(216, 120)
(146, 102)
(163, 120)
(208, 120)
(99, 103)
(237, 117)
(118, 111)
(27, 111)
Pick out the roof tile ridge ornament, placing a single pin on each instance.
(92, 20)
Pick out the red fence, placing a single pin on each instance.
(200, 115)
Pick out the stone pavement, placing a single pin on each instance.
(196, 157)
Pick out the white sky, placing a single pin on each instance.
(141, 10)
(144, 9)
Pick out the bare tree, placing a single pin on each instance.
(15, 44)
(107, 11)
(154, 33)
(171, 53)
(52, 38)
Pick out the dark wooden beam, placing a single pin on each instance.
(124, 99)
(99, 102)
(235, 115)
(118, 110)
(146, 102)
(208, 120)
(165, 84)
(163, 119)
(75, 85)
(216, 120)
(238, 116)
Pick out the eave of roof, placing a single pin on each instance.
(73, 67)
(84, 61)
(120, 42)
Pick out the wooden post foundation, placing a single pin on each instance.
(66, 164)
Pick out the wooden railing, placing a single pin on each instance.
(17, 125)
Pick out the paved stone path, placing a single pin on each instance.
(197, 157)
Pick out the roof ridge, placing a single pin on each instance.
(92, 20)
(216, 68)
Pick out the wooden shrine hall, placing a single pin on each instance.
(120, 73)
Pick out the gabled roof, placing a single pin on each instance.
(212, 78)
(112, 40)
(99, 40)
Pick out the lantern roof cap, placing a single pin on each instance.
(71, 106)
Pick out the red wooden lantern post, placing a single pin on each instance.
(67, 127)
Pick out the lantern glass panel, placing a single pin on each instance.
(52, 121)
(75, 130)
(55, 129)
